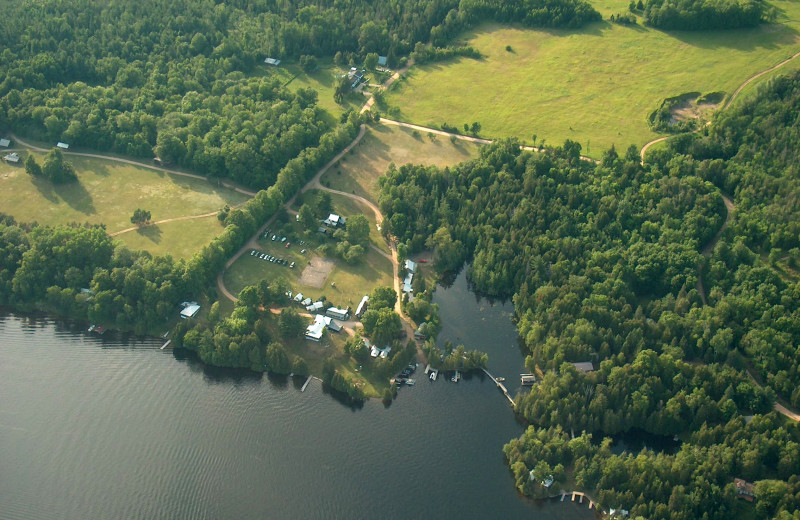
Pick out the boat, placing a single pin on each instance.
(411, 382)
(434, 373)
(500, 379)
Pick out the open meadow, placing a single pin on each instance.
(358, 171)
(596, 85)
(108, 192)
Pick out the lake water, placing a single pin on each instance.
(111, 427)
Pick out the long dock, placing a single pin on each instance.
(502, 387)
(303, 389)
(165, 345)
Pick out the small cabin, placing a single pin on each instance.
(382, 61)
(274, 62)
(339, 314)
(63, 146)
(5, 143)
(190, 311)
(12, 158)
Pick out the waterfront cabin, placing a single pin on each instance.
(190, 310)
(362, 306)
(63, 146)
(339, 314)
(315, 331)
(584, 366)
(5, 143)
(527, 379)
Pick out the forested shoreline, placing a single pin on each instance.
(603, 263)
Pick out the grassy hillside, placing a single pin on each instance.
(358, 171)
(595, 86)
(108, 192)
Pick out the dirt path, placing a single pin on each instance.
(394, 77)
(778, 407)
(134, 163)
(728, 103)
(731, 208)
(174, 219)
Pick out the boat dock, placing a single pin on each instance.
(165, 345)
(502, 387)
(303, 389)
(579, 495)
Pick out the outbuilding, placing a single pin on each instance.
(298, 297)
(63, 146)
(362, 306)
(339, 314)
(12, 157)
(411, 266)
(272, 61)
(5, 143)
(190, 311)
(584, 366)
(382, 61)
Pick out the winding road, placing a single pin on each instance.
(727, 103)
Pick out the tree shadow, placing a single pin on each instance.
(76, 196)
(152, 233)
(766, 36)
(46, 189)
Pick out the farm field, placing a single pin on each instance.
(108, 192)
(358, 171)
(595, 86)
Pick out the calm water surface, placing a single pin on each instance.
(112, 427)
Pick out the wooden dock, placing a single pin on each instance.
(165, 345)
(303, 389)
(502, 387)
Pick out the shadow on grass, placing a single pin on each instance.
(765, 36)
(76, 196)
(45, 188)
(152, 233)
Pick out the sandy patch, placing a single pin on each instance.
(315, 274)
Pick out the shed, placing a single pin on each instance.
(411, 266)
(5, 143)
(314, 307)
(306, 302)
(584, 366)
(190, 311)
(334, 325)
(527, 379)
(298, 297)
(63, 146)
(362, 306)
(272, 61)
(13, 157)
(382, 61)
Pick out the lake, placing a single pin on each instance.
(112, 427)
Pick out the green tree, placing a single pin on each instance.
(32, 167)
(357, 230)
(290, 323)
(382, 297)
(371, 61)
(307, 217)
(56, 169)
(382, 325)
(140, 217)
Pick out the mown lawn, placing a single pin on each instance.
(358, 171)
(350, 282)
(180, 239)
(595, 86)
(107, 193)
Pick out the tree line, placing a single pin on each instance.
(603, 262)
(705, 14)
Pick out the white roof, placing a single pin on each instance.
(315, 330)
(411, 266)
(314, 306)
(409, 278)
(382, 60)
(5, 143)
(335, 310)
(189, 311)
(407, 288)
(62, 145)
(333, 218)
(306, 302)
(298, 297)
(272, 61)
(12, 157)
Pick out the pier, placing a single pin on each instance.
(303, 389)
(580, 496)
(165, 345)
(502, 387)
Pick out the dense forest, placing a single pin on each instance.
(605, 263)
(181, 79)
(705, 14)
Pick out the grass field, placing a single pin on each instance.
(351, 281)
(181, 239)
(323, 81)
(595, 86)
(359, 170)
(108, 192)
